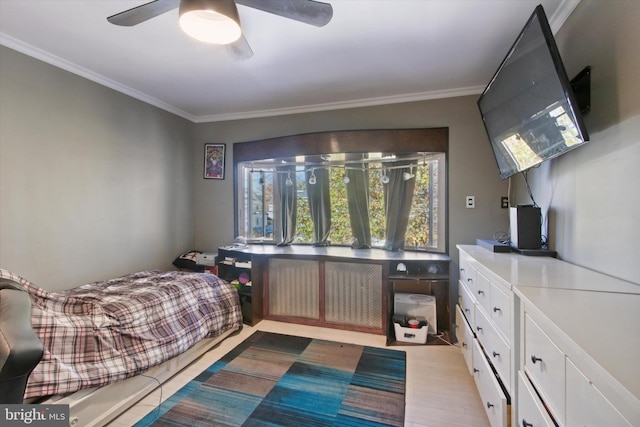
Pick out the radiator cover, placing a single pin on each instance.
(352, 292)
(294, 288)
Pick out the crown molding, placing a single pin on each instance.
(356, 103)
(561, 14)
(556, 21)
(73, 68)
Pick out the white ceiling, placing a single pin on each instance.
(372, 52)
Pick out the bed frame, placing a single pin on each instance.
(95, 407)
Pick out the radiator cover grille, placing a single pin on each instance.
(353, 294)
(294, 288)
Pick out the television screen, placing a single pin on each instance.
(528, 108)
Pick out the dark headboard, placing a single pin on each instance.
(20, 347)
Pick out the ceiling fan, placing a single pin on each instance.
(217, 21)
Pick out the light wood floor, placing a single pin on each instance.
(440, 390)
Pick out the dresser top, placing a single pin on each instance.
(546, 272)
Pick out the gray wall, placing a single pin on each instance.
(93, 183)
(590, 195)
(472, 169)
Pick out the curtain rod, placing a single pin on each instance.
(345, 164)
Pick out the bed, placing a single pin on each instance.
(125, 334)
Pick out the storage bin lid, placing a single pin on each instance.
(415, 299)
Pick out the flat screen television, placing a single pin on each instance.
(528, 108)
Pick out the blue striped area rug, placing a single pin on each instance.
(282, 380)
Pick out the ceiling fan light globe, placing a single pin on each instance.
(210, 27)
(210, 21)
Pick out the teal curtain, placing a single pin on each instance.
(398, 199)
(319, 198)
(358, 204)
(286, 196)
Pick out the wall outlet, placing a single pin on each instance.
(504, 202)
(471, 202)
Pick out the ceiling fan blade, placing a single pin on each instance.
(240, 49)
(307, 11)
(143, 12)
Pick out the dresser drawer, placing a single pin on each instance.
(544, 362)
(483, 291)
(467, 303)
(500, 310)
(496, 349)
(493, 398)
(465, 338)
(531, 412)
(482, 328)
(467, 273)
(586, 406)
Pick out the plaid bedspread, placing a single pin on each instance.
(103, 332)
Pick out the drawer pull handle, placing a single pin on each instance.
(470, 280)
(464, 344)
(497, 309)
(475, 370)
(526, 424)
(479, 328)
(535, 359)
(461, 269)
(489, 405)
(467, 310)
(496, 354)
(480, 292)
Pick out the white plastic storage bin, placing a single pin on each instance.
(416, 305)
(206, 258)
(413, 335)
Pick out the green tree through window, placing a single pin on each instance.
(257, 190)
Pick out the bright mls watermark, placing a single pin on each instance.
(34, 415)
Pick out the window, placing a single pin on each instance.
(283, 199)
(257, 204)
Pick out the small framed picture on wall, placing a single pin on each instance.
(214, 161)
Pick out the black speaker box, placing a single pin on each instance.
(525, 225)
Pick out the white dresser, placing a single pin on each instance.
(549, 342)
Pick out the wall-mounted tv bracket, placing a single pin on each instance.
(581, 86)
